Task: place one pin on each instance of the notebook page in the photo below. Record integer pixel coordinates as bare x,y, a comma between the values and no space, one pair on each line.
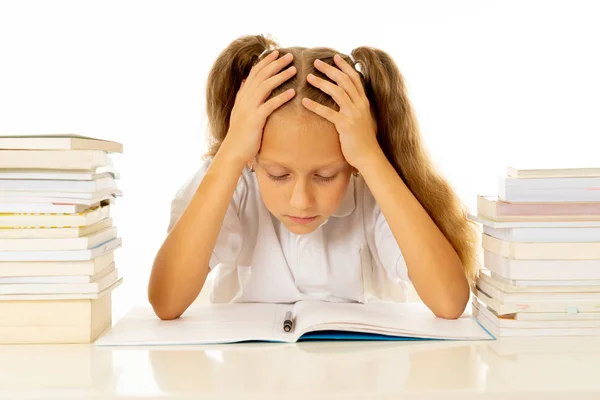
400,319
200,324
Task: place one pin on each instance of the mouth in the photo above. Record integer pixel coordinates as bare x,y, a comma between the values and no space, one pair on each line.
302,220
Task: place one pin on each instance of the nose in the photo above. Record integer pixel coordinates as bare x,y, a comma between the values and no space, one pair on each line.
302,198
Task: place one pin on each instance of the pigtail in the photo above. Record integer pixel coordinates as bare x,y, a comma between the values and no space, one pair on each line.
224,80
399,137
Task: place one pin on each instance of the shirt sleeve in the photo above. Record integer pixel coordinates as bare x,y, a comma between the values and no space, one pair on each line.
229,241
382,243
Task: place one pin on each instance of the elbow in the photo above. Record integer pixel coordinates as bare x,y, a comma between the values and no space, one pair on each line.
163,309
166,314
449,312
452,307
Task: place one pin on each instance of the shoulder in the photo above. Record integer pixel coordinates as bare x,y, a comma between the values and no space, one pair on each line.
189,187
186,191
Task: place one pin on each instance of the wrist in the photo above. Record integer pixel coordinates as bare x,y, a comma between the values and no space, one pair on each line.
231,155
371,162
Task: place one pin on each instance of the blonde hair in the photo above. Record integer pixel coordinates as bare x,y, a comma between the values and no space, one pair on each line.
398,132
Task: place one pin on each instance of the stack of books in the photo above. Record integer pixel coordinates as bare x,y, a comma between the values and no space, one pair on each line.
541,254
57,238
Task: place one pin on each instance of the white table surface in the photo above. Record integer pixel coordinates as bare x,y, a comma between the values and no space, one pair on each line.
531,368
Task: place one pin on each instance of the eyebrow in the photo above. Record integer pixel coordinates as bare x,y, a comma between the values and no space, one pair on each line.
275,163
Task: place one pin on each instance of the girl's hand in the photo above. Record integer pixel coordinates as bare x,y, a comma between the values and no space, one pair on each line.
354,122
250,112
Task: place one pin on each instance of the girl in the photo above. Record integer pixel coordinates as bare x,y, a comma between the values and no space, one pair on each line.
316,186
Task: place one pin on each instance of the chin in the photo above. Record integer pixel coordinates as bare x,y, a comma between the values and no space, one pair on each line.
302,229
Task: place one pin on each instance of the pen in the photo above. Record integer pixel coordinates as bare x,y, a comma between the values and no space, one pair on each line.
288,323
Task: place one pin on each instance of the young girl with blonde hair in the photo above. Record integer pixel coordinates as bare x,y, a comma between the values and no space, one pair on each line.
316,186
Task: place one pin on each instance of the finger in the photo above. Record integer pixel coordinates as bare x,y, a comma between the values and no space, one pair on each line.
319,109
264,62
274,67
337,93
277,102
351,72
275,81
240,89
339,77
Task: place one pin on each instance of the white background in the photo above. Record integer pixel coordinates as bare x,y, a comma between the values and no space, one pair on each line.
494,83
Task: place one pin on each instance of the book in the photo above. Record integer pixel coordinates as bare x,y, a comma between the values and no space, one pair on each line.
541,269
58,142
508,287
542,251
110,277
56,321
52,220
85,242
562,316
588,285
530,296
47,233
38,279
62,255
531,224
509,327
60,174
59,296
587,183
239,322
11,196
514,172
511,321
549,304
56,208
492,207
549,190
53,159
56,268
28,200
104,183
544,235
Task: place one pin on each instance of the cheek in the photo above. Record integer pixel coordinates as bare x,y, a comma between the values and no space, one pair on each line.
333,193
273,193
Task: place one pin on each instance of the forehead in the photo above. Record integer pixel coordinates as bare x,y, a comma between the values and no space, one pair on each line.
300,139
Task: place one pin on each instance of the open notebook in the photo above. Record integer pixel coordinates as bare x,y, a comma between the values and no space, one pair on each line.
310,320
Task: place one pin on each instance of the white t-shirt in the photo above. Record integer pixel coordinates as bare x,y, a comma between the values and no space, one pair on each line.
351,257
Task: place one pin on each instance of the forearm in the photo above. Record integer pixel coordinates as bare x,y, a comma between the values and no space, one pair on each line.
433,265
181,265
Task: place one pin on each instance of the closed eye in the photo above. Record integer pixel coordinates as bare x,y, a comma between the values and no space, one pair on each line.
277,178
326,178
319,177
